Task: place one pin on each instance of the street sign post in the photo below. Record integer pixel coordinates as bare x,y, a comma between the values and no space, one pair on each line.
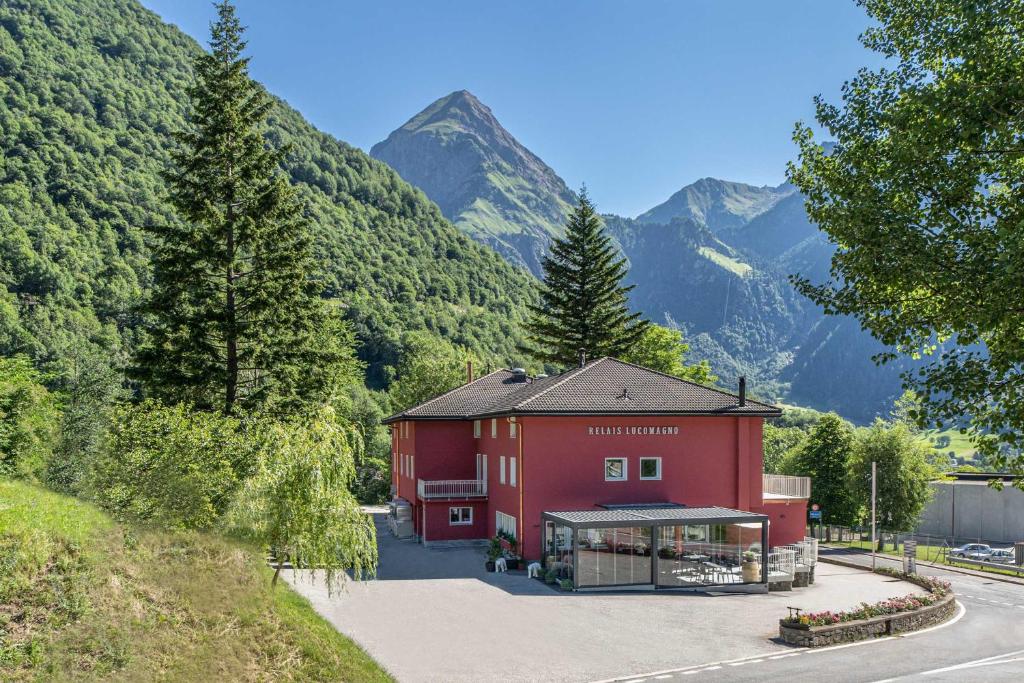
910,556
815,514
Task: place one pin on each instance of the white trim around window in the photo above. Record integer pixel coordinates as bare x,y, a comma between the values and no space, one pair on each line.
460,516
476,429
494,428
506,523
511,430
512,471
501,469
616,469
657,469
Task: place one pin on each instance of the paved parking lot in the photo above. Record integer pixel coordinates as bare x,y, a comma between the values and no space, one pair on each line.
436,615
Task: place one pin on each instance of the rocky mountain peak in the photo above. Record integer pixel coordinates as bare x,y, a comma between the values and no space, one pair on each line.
484,180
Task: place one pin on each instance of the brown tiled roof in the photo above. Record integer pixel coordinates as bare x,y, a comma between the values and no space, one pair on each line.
602,387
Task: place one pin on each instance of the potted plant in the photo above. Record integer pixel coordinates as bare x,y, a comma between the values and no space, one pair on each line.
510,545
551,576
751,567
494,551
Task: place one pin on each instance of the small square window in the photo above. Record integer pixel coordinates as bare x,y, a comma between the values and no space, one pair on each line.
459,516
650,468
615,469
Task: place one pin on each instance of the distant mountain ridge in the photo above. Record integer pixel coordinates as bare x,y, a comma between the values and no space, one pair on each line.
718,204
713,260
482,178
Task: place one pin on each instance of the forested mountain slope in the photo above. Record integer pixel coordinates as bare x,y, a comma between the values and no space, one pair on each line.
91,91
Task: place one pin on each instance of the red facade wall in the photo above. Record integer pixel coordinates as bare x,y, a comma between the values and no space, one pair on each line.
451,448
788,520
503,497
560,466
710,461
438,521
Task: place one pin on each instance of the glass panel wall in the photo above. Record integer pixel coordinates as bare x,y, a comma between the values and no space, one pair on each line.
708,555
614,556
558,550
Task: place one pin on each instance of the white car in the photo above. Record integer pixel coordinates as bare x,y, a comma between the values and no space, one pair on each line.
974,551
1002,555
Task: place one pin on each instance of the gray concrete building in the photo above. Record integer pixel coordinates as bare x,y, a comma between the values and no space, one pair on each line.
968,509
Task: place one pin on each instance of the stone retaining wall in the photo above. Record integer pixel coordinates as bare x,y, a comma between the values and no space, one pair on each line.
889,624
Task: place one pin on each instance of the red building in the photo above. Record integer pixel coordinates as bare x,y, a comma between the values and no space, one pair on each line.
508,452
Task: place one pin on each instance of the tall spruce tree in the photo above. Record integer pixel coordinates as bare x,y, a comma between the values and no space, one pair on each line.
235,320
583,305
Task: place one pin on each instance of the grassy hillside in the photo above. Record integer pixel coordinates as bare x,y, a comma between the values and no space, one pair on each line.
83,598
91,91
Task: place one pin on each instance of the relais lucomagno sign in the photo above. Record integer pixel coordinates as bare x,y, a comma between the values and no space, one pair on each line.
632,430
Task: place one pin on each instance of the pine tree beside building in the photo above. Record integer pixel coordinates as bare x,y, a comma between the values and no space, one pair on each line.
235,320
583,304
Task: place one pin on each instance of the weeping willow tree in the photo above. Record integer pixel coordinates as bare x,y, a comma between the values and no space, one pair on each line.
299,504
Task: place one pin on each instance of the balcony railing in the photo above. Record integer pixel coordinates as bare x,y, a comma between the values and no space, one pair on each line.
451,488
784,485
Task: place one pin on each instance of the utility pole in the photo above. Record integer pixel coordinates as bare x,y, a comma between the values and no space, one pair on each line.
874,490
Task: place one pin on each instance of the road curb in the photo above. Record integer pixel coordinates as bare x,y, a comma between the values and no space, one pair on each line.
947,567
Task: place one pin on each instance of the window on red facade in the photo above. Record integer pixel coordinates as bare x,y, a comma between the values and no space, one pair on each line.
460,515
615,469
650,468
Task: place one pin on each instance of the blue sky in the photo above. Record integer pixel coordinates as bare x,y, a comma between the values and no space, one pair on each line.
636,98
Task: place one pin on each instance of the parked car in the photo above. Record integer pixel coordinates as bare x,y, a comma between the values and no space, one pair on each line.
1003,555
971,550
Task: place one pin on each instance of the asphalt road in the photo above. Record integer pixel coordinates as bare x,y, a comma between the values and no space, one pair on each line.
984,642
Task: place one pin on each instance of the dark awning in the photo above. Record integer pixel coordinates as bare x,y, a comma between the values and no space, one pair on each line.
646,516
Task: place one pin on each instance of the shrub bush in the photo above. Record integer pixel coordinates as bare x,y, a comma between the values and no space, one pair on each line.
170,466
29,419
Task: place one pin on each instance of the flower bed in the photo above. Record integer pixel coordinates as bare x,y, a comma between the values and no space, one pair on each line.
895,615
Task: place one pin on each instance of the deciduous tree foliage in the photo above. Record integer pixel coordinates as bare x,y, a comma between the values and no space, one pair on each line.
778,442
583,305
903,474
824,456
171,466
298,501
923,194
429,366
29,418
664,350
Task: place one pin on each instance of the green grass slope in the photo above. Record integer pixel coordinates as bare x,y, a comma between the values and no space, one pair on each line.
84,598
90,92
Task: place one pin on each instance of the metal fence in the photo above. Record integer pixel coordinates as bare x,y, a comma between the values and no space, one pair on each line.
935,549
781,565
785,485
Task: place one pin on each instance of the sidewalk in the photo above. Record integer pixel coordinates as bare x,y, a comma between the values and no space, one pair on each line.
854,557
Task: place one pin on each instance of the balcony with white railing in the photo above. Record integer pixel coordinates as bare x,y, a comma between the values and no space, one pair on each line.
785,486
451,488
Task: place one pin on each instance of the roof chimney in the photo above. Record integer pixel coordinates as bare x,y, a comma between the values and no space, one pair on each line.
583,357
743,391
469,371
